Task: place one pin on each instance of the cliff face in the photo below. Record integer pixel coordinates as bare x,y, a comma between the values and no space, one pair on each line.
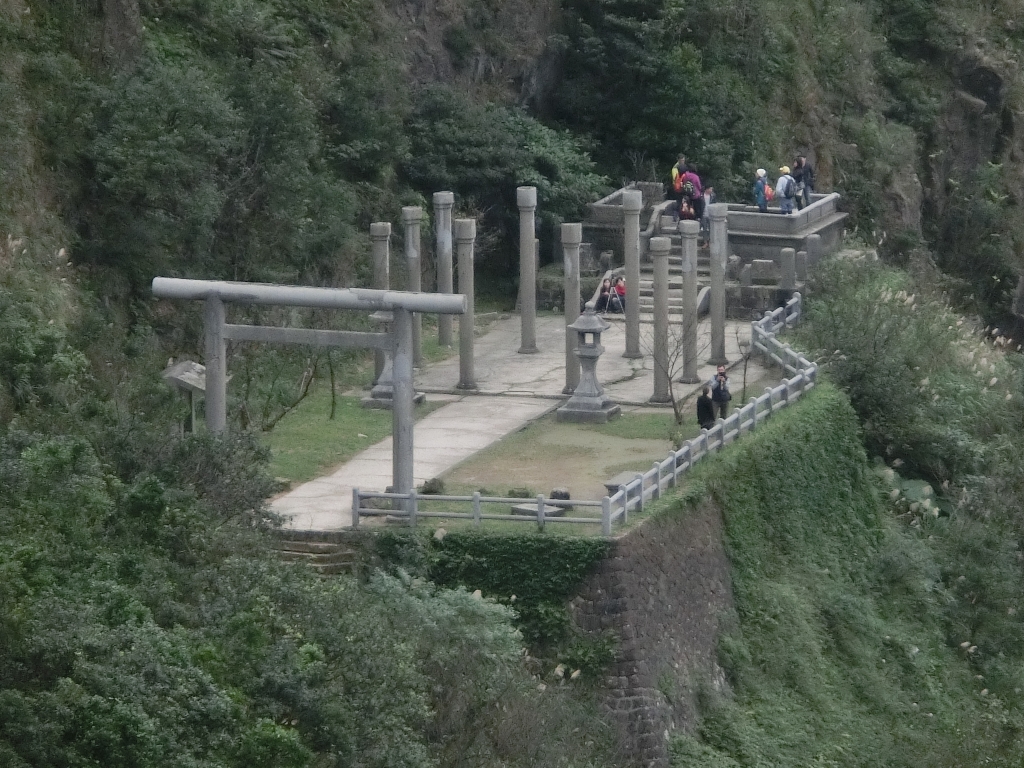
664,593
495,50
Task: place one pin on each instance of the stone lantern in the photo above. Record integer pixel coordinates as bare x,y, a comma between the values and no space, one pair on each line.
588,405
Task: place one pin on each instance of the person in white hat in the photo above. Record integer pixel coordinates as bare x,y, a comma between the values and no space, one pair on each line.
785,190
762,190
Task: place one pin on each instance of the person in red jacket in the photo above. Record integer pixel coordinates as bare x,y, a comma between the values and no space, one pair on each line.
618,303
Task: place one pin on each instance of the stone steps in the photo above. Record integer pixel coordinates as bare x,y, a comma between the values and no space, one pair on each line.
325,557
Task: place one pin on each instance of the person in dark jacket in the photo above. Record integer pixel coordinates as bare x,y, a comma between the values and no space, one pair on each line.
720,395
803,174
705,410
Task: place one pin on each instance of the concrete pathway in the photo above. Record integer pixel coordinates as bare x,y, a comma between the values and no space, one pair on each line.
513,390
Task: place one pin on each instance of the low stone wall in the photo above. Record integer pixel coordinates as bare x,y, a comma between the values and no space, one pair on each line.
756,235
664,593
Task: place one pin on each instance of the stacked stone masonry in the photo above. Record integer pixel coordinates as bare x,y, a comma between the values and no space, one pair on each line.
664,594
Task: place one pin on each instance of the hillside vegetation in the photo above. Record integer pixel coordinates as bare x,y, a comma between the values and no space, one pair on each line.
144,619
878,599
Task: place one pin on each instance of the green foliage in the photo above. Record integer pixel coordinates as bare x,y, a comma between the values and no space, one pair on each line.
913,372
848,646
979,236
534,574
484,152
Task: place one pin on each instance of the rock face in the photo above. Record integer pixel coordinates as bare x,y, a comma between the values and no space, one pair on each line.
664,592
976,127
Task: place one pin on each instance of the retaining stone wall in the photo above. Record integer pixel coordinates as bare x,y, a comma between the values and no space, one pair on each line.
665,593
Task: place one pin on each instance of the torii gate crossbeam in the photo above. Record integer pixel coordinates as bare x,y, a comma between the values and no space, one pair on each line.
401,303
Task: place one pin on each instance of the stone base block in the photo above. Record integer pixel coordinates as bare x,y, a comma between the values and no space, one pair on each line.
386,404
578,416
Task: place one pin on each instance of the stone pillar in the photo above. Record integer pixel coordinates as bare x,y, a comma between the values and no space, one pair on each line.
719,255
380,237
443,204
572,236
801,265
412,215
402,402
814,250
216,366
787,261
660,247
689,231
526,197
632,203
465,237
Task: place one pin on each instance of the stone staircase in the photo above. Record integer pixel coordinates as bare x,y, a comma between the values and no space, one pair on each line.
325,557
675,279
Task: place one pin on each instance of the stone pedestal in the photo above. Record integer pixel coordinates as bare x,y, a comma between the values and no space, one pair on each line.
787,280
411,217
632,204
465,239
526,197
588,404
660,247
689,232
572,235
216,366
443,204
718,214
380,251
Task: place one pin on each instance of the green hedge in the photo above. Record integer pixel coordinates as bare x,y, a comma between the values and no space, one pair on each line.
533,573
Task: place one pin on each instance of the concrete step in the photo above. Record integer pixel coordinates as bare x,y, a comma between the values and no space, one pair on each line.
326,558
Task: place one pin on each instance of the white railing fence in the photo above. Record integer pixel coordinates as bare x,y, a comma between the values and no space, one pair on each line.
631,497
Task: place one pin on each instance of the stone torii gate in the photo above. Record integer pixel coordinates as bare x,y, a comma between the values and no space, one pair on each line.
399,340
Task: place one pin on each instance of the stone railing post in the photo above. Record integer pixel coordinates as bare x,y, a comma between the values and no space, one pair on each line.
689,232
526,197
787,261
660,247
814,250
465,237
719,255
443,204
216,366
380,241
411,217
572,236
632,204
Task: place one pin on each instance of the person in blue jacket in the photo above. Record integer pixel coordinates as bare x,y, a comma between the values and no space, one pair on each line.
761,190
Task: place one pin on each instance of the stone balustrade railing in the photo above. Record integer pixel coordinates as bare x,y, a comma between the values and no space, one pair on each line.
632,496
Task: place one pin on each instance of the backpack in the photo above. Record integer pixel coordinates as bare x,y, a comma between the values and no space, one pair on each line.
790,192
677,183
687,189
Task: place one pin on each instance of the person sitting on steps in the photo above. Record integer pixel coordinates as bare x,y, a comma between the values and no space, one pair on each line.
602,298
617,296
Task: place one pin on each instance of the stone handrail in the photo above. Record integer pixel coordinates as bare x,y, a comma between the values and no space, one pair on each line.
646,486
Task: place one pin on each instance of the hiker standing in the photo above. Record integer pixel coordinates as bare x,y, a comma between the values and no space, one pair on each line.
785,190
798,180
705,409
693,188
676,192
761,190
805,182
720,395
